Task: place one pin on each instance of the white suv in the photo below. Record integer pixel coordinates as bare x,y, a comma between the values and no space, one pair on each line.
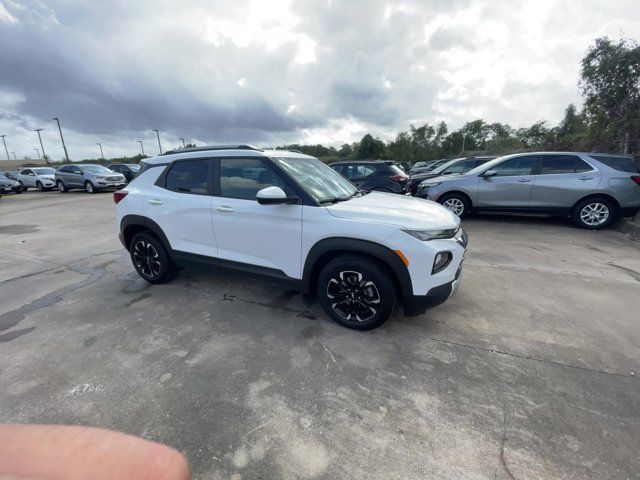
289,216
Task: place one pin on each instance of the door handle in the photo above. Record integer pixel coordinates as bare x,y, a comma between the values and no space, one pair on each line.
225,209
586,177
524,180
155,202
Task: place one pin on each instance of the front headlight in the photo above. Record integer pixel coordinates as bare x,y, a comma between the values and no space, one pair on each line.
430,184
432,234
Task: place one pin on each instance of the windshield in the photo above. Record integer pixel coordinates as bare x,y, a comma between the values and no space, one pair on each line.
444,166
96,169
133,166
318,180
44,171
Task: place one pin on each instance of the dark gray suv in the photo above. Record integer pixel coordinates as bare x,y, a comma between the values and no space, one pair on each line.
594,189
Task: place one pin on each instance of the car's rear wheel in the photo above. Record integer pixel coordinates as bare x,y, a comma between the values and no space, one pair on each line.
61,186
594,213
356,292
88,186
40,186
457,203
150,259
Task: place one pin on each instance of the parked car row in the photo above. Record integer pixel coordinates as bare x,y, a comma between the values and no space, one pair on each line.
89,177
593,189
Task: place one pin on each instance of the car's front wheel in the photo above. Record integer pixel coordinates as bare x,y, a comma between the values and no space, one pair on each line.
88,186
594,213
61,186
457,203
40,186
356,292
150,259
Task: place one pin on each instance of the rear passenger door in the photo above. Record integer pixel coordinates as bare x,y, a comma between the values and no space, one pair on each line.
266,236
27,177
180,203
562,180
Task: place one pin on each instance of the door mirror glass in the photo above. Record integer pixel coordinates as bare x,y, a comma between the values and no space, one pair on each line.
490,173
273,196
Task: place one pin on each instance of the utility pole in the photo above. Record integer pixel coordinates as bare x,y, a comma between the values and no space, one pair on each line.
464,137
64,147
14,155
5,146
44,155
183,144
141,147
38,152
159,146
101,154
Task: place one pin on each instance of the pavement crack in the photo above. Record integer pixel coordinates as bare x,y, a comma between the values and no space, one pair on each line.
501,460
333,358
523,357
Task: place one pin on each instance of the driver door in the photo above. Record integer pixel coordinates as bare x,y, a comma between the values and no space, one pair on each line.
511,186
266,236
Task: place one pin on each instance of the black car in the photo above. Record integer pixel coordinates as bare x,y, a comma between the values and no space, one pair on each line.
8,185
129,170
379,175
458,166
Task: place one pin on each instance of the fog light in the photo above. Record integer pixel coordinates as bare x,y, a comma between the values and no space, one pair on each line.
442,261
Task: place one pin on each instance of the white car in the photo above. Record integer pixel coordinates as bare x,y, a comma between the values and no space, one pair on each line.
289,216
41,178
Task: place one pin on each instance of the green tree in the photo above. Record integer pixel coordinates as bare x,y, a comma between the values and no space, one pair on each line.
610,83
370,148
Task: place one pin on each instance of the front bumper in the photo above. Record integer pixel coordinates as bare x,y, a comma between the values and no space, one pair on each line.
104,185
415,305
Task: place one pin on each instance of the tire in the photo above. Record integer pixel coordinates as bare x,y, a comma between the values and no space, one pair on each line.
88,186
40,186
594,213
150,259
456,203
365,287
61,186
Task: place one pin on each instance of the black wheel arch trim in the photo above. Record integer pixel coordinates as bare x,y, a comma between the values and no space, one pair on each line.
138,220
347,245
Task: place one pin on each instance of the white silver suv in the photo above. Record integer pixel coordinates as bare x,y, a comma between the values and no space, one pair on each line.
289,216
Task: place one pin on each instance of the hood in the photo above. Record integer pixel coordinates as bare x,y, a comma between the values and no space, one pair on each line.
50,177
393,209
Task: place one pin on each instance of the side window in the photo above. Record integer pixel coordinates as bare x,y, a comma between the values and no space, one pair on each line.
76,170
555,164
515,166
364,170
63,169
243,177
189,176
26,171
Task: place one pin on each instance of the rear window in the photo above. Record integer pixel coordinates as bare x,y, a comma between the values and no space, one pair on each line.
623,164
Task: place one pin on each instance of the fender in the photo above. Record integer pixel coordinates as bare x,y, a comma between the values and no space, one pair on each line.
135,220
352,245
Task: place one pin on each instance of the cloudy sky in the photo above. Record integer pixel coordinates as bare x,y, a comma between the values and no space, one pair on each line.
270,72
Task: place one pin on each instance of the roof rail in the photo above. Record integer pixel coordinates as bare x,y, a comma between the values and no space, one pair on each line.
214,147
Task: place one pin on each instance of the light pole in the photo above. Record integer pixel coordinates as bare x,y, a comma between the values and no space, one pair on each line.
101,154
38,152
183,144
64,147
14,155
5,146
141,147
44,155
159,146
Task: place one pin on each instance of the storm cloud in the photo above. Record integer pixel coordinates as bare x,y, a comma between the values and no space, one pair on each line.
270,72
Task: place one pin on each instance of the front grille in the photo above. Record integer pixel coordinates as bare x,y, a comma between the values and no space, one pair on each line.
112,179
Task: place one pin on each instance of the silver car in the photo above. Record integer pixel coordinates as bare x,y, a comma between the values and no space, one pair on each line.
594,189
91,178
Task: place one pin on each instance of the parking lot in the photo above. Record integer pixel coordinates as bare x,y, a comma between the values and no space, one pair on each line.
531,371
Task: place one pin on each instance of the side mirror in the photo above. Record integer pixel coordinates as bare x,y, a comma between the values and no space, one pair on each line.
490,173
274,196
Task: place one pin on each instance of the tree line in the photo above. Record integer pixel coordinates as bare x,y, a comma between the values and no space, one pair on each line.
608,121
